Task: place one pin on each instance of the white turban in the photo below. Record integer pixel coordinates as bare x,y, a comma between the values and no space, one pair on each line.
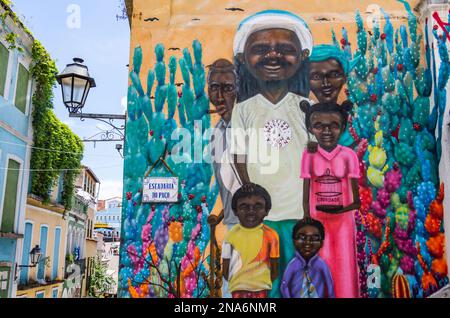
272,19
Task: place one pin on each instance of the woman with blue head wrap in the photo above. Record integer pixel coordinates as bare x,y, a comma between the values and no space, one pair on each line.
327,75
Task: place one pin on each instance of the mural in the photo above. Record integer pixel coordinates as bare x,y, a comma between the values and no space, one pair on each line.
352,206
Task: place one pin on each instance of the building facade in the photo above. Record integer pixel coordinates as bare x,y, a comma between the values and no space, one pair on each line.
82,246
108,219
16,88
45,226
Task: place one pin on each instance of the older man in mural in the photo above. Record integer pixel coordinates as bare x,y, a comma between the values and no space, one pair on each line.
271,51
222,94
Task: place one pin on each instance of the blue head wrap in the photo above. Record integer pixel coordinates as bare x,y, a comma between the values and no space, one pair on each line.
323,52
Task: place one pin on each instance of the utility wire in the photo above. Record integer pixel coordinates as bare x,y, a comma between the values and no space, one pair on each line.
98,168
51,150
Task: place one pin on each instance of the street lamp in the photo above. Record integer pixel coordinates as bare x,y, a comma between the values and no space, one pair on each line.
35,257
75,86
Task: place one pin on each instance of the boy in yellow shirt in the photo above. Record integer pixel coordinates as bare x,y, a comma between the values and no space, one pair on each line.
251,249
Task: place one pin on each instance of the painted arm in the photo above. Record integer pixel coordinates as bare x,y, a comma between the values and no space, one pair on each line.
226,267
284,288
240,162
306,192
273,268
356,201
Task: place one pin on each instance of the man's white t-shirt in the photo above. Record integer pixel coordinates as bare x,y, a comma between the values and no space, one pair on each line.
273,137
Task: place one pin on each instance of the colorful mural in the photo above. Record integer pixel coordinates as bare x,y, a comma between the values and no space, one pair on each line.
382,208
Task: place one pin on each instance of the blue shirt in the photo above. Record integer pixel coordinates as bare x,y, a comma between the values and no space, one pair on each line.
318,270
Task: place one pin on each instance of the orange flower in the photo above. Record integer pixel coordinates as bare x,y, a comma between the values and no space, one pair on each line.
435,245
439,266
432,225
428,282
152,251
176,231
436,207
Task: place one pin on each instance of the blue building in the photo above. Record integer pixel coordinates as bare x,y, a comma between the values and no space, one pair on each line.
108,219
16,87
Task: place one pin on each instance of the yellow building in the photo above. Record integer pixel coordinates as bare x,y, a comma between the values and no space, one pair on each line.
60,234
44,226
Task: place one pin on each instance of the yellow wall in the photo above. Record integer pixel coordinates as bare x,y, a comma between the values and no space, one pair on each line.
47,289
40,216
217,27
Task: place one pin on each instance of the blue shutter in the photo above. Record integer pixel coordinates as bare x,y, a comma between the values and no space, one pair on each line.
56,253
43,246
26,253
40,294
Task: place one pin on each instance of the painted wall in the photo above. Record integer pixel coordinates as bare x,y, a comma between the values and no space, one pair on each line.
176,24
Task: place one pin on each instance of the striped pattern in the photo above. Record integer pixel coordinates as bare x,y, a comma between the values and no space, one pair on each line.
400,287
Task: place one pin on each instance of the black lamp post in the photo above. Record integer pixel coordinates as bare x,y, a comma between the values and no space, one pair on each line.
35,257
75,86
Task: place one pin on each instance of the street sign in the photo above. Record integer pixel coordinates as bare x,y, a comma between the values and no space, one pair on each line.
160,190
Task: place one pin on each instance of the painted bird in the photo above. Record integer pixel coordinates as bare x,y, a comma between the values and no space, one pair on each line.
234,9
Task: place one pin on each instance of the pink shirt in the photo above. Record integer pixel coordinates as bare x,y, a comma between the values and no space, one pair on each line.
330,174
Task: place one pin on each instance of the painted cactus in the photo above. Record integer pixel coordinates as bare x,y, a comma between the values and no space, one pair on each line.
163,244
392,95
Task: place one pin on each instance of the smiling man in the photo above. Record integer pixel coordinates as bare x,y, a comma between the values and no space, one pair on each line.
271,51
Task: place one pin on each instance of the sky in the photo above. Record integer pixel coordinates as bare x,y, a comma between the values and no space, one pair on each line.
88,29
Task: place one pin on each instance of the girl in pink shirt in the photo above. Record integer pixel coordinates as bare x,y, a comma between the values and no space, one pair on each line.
330,193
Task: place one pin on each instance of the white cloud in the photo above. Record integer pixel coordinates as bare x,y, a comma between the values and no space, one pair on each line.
110,189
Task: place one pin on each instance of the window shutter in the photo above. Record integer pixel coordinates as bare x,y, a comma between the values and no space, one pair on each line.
4,59
10,198
22,88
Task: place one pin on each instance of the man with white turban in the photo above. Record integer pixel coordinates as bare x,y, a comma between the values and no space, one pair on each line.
272,51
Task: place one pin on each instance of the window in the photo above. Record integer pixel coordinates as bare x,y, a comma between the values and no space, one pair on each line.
4,59
57,240
43,246
26,252
10,197
40,294
22,88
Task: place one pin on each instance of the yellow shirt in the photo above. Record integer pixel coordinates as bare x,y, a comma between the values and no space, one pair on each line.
249,251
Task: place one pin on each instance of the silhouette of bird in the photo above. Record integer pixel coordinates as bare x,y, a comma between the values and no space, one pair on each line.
174,48
234,9
151,19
